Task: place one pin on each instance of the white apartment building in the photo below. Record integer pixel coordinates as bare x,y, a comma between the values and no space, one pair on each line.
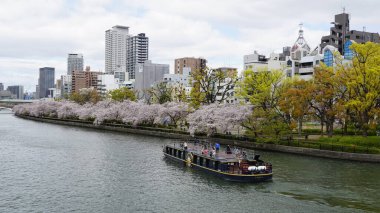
303,60
66,85
116,49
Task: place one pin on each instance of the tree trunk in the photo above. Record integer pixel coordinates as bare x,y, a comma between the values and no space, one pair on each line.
330,128
364,126
299,126
321,127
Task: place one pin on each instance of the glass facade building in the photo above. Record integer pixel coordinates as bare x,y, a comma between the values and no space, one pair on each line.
328,58
348,53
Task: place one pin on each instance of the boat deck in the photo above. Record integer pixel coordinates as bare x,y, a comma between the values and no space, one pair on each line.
204,150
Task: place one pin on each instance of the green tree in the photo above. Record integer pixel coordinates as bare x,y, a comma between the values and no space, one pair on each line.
85,95
208,84
122,94
362,80
325,96
263,89
161,93
294,101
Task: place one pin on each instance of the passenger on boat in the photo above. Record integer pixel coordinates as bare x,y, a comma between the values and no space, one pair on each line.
212,152
217,147
205,152
185,146
228,149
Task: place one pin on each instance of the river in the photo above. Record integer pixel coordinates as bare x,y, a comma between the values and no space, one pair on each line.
52,168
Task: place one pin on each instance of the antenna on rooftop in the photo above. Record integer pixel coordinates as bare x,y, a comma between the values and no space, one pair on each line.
344,9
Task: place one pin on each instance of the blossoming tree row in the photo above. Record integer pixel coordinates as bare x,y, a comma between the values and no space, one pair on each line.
207,119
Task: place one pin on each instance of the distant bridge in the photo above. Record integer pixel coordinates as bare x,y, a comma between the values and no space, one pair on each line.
10,103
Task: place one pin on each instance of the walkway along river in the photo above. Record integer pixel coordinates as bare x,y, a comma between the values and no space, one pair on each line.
52,168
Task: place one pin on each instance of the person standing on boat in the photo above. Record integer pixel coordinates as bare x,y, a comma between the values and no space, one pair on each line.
228,149
185,146
217,147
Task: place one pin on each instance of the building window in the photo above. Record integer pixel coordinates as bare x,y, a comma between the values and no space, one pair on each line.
348,53
328,58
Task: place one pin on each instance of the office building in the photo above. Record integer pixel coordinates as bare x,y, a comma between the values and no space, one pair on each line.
74,63
46,81
84,79
17,91
148,73
341,32
1,86
193,63
137,53
116,49
5,94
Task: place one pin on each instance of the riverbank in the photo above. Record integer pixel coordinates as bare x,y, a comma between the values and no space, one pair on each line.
182,136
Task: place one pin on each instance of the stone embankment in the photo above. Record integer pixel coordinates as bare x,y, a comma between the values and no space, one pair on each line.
245,144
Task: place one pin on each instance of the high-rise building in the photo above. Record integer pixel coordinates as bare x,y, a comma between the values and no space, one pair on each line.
193,63
1,86
137,53
341,32
148,73
74,63
17,91
116,49
124,52
46,81
84,79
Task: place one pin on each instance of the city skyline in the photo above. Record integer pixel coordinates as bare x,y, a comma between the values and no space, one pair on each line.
175,28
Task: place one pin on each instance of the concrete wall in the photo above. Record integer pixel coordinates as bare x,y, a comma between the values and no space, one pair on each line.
249,145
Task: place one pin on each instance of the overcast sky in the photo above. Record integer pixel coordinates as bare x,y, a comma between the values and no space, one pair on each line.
41,33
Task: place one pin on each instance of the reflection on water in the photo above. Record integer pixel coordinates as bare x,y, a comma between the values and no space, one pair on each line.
52,168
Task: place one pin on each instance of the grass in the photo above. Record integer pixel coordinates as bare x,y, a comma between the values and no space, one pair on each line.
370,141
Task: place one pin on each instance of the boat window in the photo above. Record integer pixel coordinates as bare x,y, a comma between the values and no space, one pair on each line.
208,163
175,153
216,165
195,158
200,161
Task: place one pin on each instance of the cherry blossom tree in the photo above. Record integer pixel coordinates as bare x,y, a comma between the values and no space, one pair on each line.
210,118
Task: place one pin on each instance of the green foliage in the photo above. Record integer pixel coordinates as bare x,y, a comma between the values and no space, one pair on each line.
161,93
362,80
370,141
207,84
85,95
122,94
263,89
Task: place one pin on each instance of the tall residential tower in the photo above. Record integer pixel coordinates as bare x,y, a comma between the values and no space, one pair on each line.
116,49
137,53
124,52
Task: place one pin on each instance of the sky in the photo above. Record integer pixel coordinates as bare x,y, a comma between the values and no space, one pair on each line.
40,33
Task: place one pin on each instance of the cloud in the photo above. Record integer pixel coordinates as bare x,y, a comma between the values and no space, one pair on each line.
41,33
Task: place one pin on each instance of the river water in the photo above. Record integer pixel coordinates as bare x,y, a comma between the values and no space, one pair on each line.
53,168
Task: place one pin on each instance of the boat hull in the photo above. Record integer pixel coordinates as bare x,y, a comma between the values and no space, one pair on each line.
254,178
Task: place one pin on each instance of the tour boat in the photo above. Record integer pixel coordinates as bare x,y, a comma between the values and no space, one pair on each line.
232,165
